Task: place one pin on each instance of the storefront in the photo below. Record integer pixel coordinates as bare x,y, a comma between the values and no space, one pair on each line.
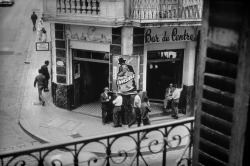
171,53
96,57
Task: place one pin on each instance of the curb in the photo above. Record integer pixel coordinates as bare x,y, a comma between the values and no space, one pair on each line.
27,129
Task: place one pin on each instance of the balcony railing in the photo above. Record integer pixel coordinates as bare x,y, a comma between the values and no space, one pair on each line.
166,143
78,6
166,9
90,12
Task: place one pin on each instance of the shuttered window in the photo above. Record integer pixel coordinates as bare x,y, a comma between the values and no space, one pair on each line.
223,81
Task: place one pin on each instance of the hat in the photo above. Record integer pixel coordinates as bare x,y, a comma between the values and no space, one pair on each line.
121,60
106,88
46,62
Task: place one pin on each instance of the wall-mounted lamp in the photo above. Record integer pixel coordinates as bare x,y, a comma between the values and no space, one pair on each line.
167,54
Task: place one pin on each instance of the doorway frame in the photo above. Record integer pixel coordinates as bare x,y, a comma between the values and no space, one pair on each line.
75,60
181,58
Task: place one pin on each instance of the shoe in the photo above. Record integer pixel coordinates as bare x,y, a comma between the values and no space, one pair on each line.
43,103
115,126
127,127
119,125
46,90
176,117
168,110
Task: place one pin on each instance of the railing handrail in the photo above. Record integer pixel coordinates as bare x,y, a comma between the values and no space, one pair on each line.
98,137
142,10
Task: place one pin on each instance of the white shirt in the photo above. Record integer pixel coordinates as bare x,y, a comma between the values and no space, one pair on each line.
118,101
137,101
177,93
106,94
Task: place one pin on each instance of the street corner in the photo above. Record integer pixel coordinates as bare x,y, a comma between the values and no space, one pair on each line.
37,103
25,126
63,125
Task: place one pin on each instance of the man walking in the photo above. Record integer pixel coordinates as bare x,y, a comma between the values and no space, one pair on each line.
34,18
117,119
137,111
45,72
104,98
40,81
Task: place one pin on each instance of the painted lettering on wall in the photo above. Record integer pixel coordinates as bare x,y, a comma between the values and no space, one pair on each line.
88,33
158,35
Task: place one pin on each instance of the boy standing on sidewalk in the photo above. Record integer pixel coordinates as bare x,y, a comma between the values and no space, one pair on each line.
145,109
117,119
40,81
105,98
175,102
136,111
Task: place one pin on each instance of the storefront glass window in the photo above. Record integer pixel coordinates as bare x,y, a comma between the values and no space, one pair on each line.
61,53
91,55
60,44
59,34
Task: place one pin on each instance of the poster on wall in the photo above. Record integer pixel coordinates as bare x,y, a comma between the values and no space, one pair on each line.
125,73
77,71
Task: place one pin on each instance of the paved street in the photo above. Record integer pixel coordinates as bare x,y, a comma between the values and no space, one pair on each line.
15,36
19,100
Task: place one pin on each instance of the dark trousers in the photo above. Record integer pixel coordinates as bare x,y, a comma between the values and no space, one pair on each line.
46,84
146,121
105,111
34,25
117,118
175,103
136,117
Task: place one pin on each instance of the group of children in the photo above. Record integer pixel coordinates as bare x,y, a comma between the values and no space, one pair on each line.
41,32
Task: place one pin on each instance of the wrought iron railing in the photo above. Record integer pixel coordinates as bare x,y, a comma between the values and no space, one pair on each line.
78,6
166,9
167,142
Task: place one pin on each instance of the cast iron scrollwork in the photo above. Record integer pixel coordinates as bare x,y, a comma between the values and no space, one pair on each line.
109,149
14,160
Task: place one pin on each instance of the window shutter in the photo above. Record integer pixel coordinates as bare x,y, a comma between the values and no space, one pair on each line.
223,84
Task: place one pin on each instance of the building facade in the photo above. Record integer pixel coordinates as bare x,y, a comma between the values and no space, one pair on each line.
124,45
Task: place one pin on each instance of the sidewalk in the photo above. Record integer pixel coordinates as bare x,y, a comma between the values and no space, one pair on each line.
50,124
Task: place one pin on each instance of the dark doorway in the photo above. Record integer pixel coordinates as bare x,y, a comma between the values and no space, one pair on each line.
91,75
94,78
247,138
163,69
